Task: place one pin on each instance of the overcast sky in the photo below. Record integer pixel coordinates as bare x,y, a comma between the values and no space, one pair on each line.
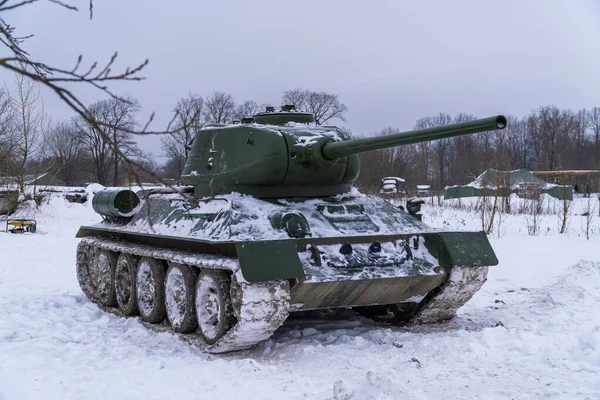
390,61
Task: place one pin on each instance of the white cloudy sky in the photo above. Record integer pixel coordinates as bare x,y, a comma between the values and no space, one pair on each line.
390,61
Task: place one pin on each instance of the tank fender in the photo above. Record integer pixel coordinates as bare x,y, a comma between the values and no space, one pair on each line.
467,249
262,261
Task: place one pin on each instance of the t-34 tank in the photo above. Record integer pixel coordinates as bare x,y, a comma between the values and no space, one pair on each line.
269,224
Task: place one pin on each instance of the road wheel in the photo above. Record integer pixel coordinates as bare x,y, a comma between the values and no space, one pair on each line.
213,304
179,297
87,273
106,262
150,290
125,283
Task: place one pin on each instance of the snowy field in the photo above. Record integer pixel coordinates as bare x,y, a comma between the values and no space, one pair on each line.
532,332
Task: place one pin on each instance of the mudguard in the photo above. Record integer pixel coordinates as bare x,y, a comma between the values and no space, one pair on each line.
467,249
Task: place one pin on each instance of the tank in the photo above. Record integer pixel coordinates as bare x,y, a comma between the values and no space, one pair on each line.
268,224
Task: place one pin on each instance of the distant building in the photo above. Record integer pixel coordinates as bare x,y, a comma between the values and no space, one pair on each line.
584,182
521,182
423,190
393,186
45,179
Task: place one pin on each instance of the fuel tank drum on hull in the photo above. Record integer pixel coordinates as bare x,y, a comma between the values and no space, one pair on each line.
116,203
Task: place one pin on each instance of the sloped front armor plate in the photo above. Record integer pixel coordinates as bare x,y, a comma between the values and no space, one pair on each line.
315,295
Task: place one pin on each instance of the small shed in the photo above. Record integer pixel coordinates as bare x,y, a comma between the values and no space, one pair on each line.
583,181
424,190
393,186
44,179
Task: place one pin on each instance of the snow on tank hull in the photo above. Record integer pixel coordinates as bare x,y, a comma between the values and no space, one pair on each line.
269,258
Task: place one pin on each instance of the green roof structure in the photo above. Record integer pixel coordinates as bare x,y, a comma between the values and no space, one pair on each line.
44,179
503,183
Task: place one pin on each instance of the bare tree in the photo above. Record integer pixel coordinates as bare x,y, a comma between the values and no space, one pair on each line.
109,141
550,129
119,120
296,97
377,164
324,106
97,145
463,167
6,143
145,169
588,215
42,163
67,150
440,148
533,217
220,107
189,120
565,213
517,142
593,119
27,124
5,113
246,109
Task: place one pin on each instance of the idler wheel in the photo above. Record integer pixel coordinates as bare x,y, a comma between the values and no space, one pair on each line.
106,262
125,283
150,290
213,304
179,297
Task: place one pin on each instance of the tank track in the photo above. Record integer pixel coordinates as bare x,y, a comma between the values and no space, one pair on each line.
259,308
461,285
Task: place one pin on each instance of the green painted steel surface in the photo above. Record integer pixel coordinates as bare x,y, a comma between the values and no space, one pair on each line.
115,203
466,249
266,161
269,260
282,118
341,149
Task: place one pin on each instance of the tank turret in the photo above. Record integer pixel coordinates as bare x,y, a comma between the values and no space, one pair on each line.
279,154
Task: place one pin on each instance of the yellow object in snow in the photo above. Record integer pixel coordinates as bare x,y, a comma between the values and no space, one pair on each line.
21,225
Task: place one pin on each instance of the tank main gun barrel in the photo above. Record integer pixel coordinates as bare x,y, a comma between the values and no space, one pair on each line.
334,150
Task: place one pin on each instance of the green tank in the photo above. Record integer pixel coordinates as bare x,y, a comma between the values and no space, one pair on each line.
269,224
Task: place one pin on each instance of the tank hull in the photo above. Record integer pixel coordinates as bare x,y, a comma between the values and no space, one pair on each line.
374,257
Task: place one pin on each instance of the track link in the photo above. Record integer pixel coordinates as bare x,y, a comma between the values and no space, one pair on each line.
461,285
259,308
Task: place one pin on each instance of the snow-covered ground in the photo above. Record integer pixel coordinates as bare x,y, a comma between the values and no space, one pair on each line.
533,331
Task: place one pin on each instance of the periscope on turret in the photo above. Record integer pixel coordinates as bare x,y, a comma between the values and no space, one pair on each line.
268,224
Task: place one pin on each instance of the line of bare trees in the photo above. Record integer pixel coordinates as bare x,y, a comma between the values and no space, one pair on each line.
549,138
23,124
75,151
